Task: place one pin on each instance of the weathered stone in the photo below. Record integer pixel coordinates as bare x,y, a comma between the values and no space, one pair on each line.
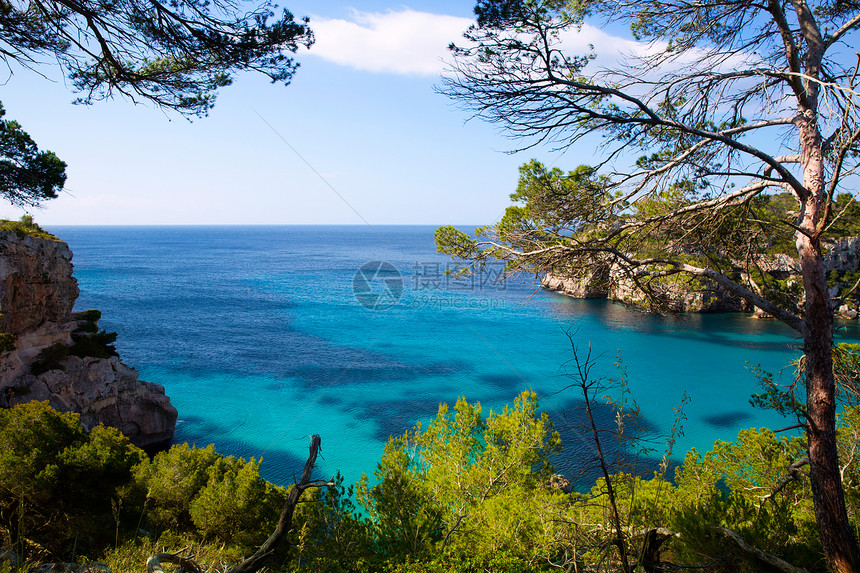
38,293
701,295
36,282
9,556
613,283
558,482
843,255
592,286
847,312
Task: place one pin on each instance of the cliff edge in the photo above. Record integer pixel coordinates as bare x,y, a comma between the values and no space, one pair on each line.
47,352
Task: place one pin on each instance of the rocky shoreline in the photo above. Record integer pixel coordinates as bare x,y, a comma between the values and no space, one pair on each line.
607,281
48,353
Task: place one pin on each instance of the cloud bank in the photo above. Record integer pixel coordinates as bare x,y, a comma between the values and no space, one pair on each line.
409,42
404,42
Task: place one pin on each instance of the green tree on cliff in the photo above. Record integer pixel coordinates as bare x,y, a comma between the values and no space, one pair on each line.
730,102
175,54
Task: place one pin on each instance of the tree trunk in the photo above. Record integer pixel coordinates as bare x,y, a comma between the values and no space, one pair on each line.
837,538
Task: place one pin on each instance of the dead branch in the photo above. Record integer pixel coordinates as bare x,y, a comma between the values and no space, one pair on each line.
153,564
771,560
794,475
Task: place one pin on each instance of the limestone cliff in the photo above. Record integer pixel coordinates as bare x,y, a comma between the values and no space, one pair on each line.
36,282
53,354
676,296
701,295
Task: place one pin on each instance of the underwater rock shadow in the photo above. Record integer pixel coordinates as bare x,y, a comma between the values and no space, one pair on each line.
510,384
579,461
727,420
278,466
394,417
369,369
617,317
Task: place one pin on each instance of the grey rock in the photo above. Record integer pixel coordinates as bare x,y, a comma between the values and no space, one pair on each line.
702,296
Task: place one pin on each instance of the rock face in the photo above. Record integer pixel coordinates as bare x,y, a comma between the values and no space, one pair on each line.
595,283
703,296
681,296
36,283
49,360
844,255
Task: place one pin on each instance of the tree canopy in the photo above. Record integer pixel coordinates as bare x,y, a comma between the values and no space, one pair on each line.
28,176
727,134
175,55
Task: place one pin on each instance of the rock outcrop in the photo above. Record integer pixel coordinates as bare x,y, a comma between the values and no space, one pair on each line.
677,296
36,282
52,354
701,295
595,283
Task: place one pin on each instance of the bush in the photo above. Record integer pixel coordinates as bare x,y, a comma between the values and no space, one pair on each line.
236,505
26,226
7,342
50,358
58,482
171,480
97,345
223,499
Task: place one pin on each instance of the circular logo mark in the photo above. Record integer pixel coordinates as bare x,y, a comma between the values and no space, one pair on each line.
377,285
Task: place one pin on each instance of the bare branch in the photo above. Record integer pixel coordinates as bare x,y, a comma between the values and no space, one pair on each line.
771,560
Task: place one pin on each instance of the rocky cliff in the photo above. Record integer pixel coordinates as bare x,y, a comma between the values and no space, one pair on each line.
49,353
684,294
679,295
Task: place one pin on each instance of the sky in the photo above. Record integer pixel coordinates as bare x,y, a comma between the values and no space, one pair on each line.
360,136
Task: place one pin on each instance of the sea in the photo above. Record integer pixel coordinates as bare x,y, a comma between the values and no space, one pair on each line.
265,335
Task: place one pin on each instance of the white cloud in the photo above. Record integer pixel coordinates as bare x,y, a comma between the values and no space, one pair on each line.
409,42
400,42
615,53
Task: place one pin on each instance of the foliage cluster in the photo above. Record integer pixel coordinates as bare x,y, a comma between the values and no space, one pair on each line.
87,340
556,211
7,342
465,493
67,493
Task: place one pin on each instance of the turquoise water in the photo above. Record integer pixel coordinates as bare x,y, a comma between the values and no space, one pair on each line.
260,339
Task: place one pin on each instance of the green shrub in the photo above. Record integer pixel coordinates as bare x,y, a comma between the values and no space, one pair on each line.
26,226
50,358
98,345
331,534
7,342
171,480
224,499
236,505
58,481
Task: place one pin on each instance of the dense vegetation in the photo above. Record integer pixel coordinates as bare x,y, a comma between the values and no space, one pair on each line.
468,492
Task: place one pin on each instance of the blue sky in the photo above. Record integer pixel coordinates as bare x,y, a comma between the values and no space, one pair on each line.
359,136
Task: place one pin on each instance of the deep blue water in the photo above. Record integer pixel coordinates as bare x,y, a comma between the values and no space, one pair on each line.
260,339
